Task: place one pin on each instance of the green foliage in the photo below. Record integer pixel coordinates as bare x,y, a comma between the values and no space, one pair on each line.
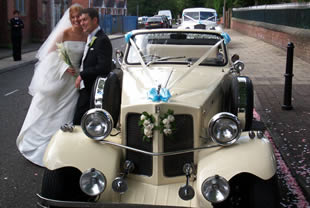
151,7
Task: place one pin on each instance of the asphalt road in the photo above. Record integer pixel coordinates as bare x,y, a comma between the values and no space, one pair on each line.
20,180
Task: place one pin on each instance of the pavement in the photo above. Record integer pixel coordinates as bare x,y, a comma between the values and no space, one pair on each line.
265,64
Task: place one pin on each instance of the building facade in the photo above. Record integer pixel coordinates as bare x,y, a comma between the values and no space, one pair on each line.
106,7
39,17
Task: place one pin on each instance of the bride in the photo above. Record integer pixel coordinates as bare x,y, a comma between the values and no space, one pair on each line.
52,86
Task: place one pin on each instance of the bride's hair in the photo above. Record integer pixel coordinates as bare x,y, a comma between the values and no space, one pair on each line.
75,8
63,24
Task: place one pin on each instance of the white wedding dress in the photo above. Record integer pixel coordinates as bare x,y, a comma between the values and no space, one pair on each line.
53,103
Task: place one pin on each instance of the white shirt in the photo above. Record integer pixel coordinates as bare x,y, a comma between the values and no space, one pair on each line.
89,38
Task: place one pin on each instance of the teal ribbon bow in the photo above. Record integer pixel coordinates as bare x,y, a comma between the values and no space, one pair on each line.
157,95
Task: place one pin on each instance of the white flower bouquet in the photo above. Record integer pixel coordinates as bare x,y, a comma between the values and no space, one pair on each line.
147,124
167,125
63,53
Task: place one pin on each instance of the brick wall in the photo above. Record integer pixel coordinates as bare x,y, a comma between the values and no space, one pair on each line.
277,35
84,3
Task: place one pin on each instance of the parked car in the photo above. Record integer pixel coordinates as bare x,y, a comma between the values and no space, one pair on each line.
168,14
199,18
142,20
182,133
156,22
165,19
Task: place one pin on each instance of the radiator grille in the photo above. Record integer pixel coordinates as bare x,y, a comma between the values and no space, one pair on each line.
143,163
183,139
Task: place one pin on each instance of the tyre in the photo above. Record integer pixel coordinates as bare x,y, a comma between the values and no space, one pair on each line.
111,99
240,99
249,191
112,96
63,184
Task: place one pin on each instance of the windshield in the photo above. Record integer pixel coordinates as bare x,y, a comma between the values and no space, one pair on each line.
192,16
177,47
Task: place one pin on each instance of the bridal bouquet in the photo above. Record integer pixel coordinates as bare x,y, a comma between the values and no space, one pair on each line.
63,53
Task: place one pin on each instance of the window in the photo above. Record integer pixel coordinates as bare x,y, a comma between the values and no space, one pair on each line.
20,6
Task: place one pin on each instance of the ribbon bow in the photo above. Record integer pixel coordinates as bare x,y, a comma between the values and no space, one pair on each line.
160,94
226,37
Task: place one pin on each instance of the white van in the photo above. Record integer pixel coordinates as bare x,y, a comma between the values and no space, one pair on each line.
168,14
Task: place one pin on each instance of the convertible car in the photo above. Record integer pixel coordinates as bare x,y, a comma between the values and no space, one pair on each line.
171,127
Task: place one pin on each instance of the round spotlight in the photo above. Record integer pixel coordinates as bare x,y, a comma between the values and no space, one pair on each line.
215,189
92,182
224,128
119,185
97,123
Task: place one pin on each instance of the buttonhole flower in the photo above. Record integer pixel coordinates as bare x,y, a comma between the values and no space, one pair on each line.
92,41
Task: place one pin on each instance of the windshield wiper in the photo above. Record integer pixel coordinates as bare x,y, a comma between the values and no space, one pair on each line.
164,59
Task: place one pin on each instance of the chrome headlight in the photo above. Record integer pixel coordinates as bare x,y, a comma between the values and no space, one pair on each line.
215,189
238,66
92,182
224,128
97,123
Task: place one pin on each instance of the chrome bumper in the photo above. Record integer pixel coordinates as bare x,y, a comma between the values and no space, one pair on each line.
46,203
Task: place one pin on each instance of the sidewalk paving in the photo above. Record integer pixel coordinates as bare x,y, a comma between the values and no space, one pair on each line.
265,64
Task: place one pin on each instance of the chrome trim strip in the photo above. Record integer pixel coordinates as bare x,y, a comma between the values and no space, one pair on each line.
45,203
156,154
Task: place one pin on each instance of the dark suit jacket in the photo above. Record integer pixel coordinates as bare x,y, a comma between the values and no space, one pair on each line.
98,60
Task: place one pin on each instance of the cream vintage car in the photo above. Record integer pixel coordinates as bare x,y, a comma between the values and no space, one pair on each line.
174,129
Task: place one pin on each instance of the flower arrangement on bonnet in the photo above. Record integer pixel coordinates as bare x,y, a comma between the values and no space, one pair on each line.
147,124
167,125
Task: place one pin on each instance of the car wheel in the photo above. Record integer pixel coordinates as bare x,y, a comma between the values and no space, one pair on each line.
241,96
112,96
111,99
250,191
63,184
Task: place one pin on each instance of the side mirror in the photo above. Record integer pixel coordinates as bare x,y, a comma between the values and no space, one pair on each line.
235,58
119,56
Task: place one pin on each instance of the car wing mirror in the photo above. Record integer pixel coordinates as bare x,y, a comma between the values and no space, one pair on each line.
119,56
235,58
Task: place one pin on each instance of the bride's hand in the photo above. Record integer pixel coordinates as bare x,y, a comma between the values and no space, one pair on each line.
78,81
71,71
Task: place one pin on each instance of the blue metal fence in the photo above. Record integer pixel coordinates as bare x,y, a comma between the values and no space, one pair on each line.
293,14
112,24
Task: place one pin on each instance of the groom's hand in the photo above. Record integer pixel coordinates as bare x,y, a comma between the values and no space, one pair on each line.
78,81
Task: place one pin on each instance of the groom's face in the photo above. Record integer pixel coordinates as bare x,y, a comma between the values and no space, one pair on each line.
88,24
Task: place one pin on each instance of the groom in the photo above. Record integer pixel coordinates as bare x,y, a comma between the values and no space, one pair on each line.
97,60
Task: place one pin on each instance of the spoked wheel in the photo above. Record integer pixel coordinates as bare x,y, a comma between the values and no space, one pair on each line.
63,184
251,192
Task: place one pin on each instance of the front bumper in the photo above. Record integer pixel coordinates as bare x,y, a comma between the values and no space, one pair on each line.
45,203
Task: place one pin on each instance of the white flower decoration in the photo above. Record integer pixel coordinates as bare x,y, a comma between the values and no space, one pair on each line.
142,117
170,118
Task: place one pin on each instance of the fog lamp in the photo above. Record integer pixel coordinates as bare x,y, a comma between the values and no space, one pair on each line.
224,128
97,123
92,182
215,189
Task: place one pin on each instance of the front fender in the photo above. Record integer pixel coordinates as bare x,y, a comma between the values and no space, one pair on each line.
253,156
75,149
